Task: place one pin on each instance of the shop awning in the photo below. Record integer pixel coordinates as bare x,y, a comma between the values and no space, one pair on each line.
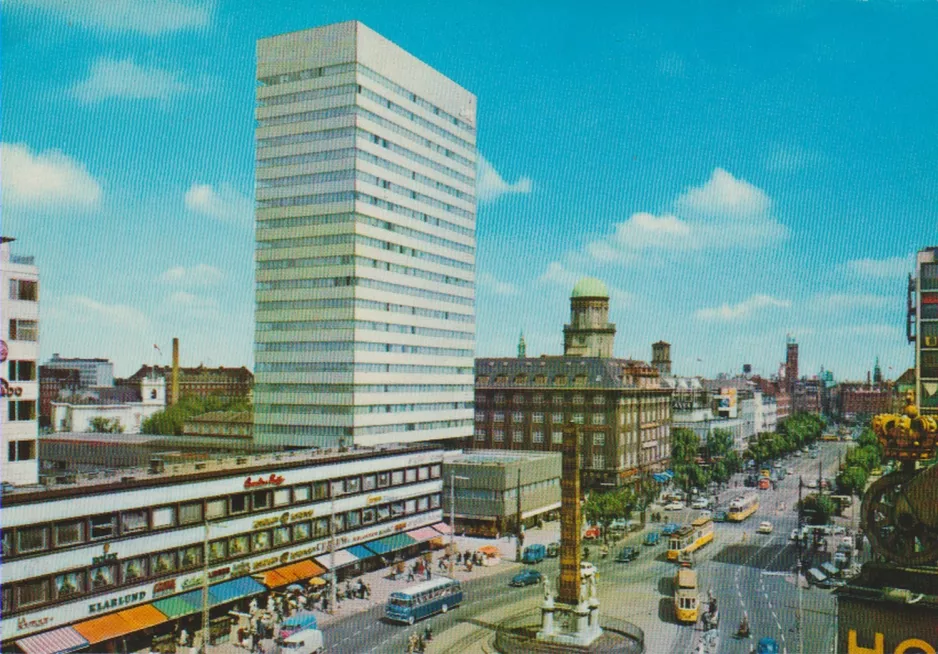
342,558
180,605
422,534
229,591
104,628
443,528
361,551
288,574
390,543
58,641
143,617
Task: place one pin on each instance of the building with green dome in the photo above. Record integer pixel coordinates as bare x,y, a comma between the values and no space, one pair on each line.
589,334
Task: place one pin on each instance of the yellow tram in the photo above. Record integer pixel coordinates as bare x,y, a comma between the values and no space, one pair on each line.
686,600
690,538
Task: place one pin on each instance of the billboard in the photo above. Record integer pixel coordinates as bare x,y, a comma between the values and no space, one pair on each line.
727,403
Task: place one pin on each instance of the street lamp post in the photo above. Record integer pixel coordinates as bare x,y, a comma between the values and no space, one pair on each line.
452,521
206,635
334,580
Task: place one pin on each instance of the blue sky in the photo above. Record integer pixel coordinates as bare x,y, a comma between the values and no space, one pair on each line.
733,171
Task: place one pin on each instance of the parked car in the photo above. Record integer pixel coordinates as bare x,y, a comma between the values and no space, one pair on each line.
534,554
626,554
527,577
553,549
767,646
700,503
619,524
765,528
308,641
592,533
720,516
670,528
299,621
673,506
651,538
587,569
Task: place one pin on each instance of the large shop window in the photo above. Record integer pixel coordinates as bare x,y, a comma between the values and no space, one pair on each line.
384,512
338,488
103,576
397,509
69,533
133,521
352,519
384,479
321,527
262,499
368,516
190,513
238,545
215,509
163,562
33,592
339,522
281,497
300,494
164,516
281,535
353,485
68,584
397,477
301,531
32,539
260,541
321,490
190,557
239,503
217,551
368,482
134,569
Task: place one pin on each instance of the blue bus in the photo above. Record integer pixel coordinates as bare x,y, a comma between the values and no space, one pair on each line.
417,602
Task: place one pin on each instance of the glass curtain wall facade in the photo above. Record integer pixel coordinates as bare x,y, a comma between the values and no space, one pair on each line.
365,168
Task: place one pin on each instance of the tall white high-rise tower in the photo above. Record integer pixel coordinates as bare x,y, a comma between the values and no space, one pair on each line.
366,213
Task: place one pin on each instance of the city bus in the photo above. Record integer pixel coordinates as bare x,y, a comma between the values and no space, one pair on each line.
690,538
424,599
742,507
686,601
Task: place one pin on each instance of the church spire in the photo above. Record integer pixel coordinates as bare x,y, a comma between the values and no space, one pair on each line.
522,347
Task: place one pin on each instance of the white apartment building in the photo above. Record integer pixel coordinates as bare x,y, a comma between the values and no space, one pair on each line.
19,353
366,213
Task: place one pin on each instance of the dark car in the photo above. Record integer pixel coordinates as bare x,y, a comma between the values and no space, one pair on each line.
651,538
553,550
670,528
526,578
720,516
626,554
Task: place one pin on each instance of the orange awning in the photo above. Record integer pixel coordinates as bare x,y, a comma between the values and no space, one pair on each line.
104,628
489,550
292,573
143,617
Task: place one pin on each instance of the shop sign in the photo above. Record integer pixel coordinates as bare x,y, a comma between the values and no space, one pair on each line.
161,588
108,555
307,551
263,563
400,526
374,499
220,572
9,391
300,515
273,480
907,646
191,582
240,569
25,623
266,522
114,602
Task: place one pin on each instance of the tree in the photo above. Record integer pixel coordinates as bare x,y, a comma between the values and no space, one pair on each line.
102,425
719,443
818,509
172,419
602,508
684,445
852,481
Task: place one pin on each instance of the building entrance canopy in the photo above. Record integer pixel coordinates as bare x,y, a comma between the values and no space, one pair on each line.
59,641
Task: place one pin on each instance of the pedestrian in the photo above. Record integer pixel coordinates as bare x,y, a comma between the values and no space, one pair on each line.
410,574
428,573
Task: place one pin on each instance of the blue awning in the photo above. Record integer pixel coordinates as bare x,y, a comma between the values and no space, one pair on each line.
390,543
360,551
661,478
229,591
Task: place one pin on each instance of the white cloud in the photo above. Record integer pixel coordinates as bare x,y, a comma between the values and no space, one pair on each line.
846,302
113,78
490,185
741,311
559,275
498,287
223,203
725,212
881,268
85,309
149,17
199,275
48,179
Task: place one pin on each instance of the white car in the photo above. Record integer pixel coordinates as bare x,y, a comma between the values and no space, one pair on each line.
587,569
765,528
673,506
795,535
839,530
811,483
700,503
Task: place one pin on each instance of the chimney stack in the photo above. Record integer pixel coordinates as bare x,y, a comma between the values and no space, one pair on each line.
174,392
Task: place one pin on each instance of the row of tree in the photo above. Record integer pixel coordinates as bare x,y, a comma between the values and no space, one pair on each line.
794,433
858,463
170,420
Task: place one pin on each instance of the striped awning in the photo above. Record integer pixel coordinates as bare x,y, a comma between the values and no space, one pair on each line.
104,628
390,543
443,528
361,551
422,534
57,641
234,589
288,574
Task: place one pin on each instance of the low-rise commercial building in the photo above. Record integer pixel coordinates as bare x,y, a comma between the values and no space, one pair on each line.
486,486
79,413
116,563
221,424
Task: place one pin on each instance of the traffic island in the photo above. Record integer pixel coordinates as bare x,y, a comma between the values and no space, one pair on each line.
519,635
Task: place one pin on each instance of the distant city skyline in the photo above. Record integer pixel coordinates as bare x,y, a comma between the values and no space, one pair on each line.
733,177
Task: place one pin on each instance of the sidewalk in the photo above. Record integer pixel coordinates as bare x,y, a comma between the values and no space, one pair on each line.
382,585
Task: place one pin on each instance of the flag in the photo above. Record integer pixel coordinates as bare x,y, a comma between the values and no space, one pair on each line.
701,360
157,347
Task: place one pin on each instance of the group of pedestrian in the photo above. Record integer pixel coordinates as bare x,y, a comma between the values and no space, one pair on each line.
417,643
419,569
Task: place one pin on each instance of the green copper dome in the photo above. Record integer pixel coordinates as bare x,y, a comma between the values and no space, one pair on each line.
590,287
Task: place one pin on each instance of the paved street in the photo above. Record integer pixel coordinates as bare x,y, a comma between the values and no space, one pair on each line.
748,573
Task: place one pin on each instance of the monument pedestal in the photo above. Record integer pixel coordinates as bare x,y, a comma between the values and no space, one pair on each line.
575,625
